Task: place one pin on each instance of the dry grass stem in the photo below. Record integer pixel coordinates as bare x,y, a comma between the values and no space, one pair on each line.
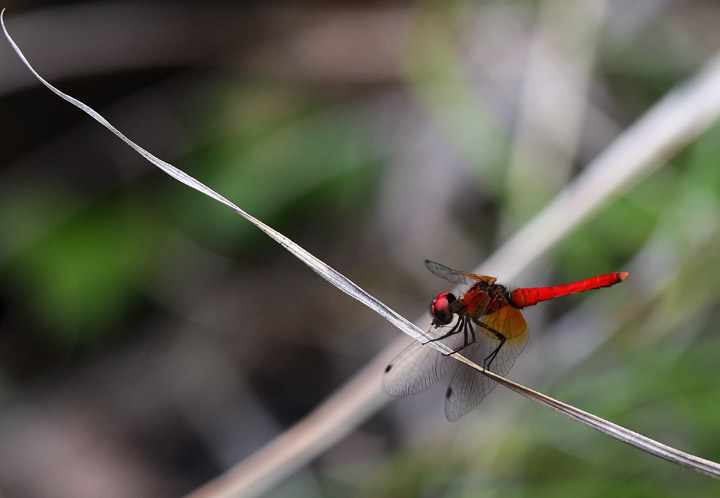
674,121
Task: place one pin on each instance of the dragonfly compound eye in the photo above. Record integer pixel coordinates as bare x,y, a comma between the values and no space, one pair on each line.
441,308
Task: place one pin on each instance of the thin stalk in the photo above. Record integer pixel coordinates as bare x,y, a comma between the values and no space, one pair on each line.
691,110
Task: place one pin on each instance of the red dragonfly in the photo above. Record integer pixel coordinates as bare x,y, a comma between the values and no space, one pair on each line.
489,330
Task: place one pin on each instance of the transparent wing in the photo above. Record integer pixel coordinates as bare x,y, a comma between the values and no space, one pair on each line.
468,387
415,369
454,276
418,366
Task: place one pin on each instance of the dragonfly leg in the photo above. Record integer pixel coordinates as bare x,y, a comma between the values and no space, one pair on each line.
468,335
500,337
491,357
468,338
453,331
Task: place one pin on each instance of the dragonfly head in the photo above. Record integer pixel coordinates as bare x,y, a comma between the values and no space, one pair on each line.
441,308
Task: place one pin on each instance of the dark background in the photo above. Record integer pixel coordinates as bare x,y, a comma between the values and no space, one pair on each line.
150,338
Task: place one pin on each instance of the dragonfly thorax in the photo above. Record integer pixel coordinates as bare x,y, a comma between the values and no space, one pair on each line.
442,309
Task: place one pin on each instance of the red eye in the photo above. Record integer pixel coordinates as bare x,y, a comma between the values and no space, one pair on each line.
440,303
440,308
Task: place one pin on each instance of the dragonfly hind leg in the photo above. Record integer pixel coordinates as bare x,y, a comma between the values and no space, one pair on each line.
500,337
491,357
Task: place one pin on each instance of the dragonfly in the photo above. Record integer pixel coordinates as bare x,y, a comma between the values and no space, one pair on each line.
485,324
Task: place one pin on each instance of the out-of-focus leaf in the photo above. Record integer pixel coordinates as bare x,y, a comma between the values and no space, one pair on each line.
311,159
81,278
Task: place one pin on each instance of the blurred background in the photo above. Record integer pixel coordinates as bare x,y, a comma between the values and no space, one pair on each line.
150,338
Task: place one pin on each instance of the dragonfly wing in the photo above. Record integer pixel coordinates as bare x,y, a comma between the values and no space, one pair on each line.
419,366
468,387
415,369
454,276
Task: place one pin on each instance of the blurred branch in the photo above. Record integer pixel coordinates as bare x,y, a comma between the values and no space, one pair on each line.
300,41
553,102
672,123
679,117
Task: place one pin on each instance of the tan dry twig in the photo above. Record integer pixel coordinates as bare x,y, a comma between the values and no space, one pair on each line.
681,116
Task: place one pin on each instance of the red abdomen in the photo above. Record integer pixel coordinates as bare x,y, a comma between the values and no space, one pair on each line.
527,297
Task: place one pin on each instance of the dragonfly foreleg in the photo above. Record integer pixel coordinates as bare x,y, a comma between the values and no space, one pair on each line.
453,331
469,338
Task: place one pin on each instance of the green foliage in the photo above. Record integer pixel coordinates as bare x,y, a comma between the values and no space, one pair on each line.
79,279
306,161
